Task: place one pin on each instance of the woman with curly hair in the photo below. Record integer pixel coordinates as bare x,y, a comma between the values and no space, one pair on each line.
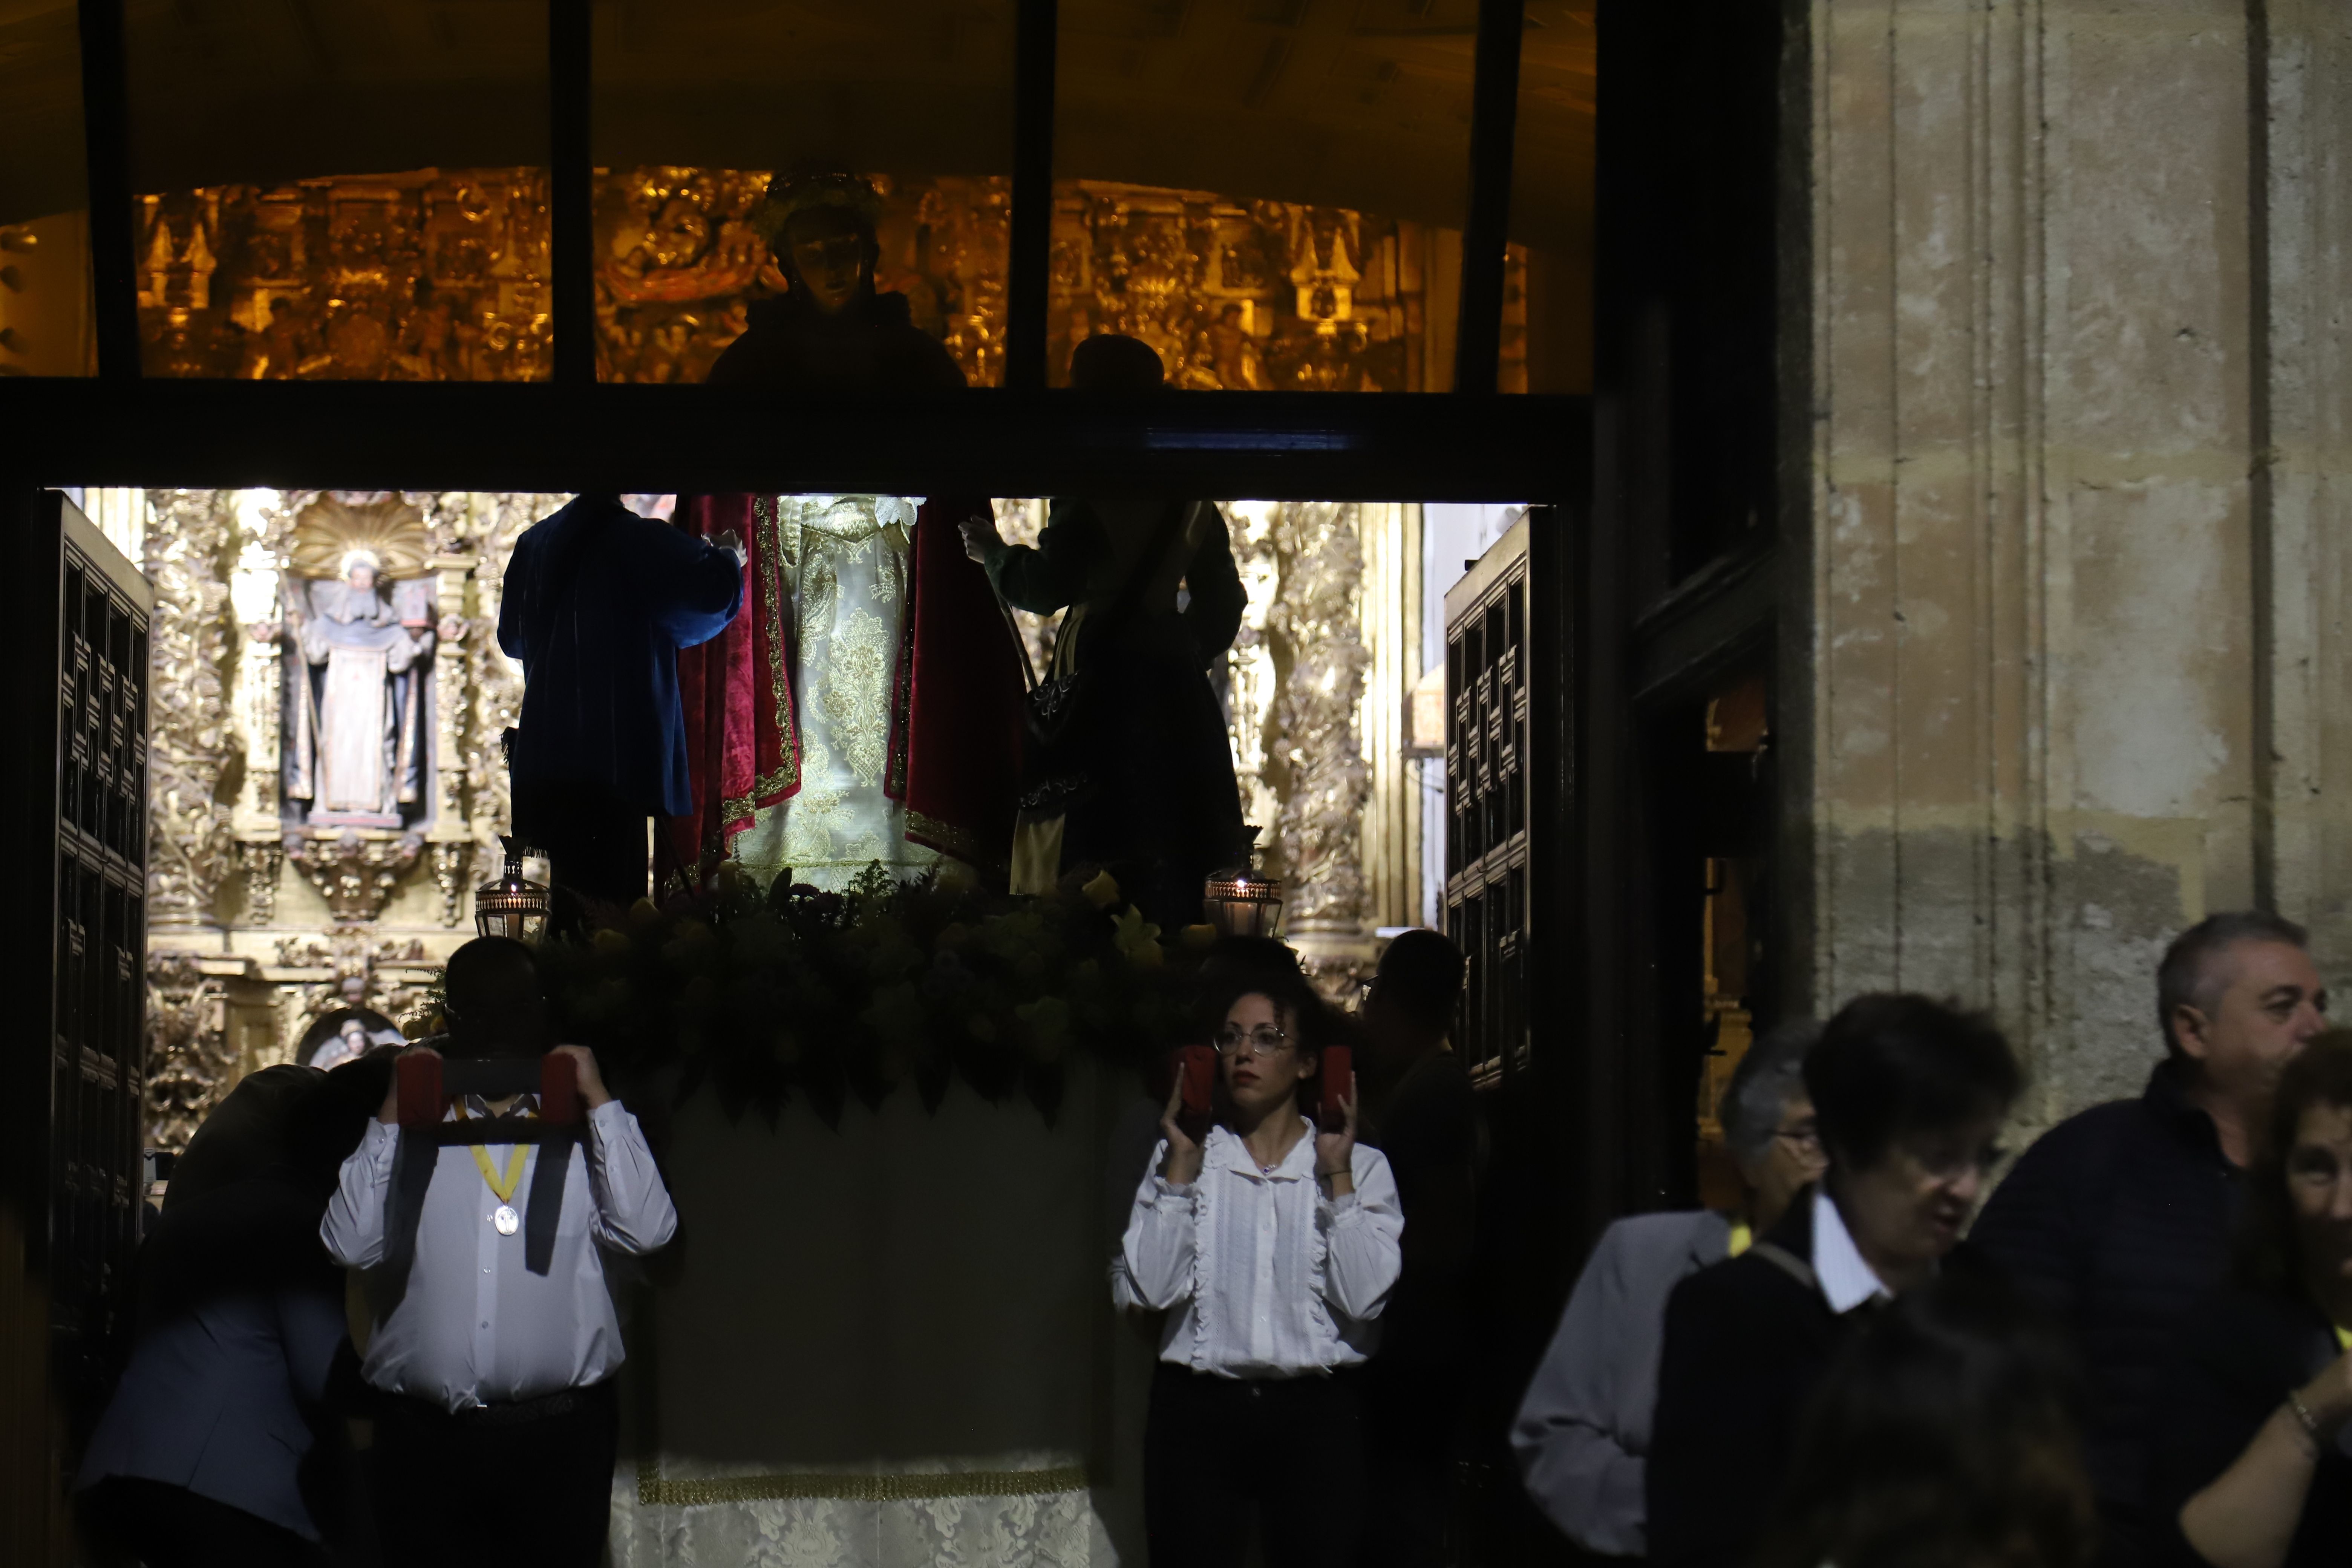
1272,1244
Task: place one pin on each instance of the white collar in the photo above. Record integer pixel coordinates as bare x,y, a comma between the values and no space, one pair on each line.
1236,1156
1846,1280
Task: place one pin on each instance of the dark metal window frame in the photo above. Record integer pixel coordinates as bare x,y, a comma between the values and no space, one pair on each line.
574,433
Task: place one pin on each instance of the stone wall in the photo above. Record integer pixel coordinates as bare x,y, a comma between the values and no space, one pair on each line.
2081,485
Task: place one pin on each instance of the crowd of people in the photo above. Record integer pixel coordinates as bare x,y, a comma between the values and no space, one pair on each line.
2139,1355
2135,1357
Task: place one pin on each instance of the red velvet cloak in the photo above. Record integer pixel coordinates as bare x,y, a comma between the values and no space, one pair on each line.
955,729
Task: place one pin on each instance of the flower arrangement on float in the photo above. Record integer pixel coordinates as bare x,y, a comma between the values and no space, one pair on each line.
890,985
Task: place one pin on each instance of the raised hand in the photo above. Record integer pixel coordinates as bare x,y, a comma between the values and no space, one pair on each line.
979,533
1181,1168
593,1092
391,1111
1334,1153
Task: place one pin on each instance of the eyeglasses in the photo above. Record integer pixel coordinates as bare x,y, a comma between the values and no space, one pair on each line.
1263,1041
1805,1141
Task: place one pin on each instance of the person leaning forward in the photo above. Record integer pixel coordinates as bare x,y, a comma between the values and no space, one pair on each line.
496,1434
1908,1096
2117,1220
1583,1435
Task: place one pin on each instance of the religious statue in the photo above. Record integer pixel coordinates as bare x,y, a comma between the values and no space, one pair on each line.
359,635
865,704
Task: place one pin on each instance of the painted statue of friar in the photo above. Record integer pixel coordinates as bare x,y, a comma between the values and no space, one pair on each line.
865,704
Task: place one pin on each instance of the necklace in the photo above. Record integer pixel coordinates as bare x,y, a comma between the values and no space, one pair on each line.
504,1219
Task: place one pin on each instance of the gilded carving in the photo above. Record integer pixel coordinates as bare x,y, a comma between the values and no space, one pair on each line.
1296,708
260,861
391,976
190,1060
189,555
451,863
441,275
434,274
493,681
355,870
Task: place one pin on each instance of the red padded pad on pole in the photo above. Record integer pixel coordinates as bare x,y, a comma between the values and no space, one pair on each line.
559,1090
420,1102
1339,1084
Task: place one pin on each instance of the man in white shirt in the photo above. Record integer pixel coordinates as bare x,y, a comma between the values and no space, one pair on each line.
496,1336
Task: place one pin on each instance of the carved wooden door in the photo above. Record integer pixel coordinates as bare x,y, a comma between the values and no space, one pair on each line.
74,838
1510,867
1505,781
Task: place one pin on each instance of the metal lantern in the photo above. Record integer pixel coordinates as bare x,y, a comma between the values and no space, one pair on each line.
513,905
1242,901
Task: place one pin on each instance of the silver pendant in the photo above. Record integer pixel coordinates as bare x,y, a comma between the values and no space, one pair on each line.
507,1220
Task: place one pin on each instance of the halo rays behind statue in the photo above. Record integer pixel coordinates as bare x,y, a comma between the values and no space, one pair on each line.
360,614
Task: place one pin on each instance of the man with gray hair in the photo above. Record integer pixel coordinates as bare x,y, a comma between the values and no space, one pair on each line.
2118,1220
1583,1435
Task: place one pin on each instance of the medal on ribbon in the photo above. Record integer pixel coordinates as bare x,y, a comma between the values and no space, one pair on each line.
504,1218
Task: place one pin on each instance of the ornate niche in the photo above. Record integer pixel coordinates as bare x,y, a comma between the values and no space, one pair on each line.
328,696
358,621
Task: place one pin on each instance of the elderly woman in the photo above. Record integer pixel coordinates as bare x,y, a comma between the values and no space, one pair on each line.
1583,1430
2248,1448
1908,1097
1272,1244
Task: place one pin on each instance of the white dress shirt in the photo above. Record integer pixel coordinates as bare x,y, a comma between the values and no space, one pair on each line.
1847,1281
1262,1275
474,1326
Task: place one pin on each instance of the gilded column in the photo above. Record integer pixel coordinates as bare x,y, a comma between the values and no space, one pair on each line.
189,553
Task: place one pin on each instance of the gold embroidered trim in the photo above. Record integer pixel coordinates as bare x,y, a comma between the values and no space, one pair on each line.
655,1492
762,788
775,562
961,843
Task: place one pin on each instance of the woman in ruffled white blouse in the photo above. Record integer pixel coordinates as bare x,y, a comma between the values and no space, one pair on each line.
1272,1246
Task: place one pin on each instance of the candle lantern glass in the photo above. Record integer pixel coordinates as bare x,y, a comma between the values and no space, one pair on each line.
1242,901
513,905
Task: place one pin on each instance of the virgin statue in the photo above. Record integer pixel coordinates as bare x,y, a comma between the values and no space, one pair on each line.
358,722
865,705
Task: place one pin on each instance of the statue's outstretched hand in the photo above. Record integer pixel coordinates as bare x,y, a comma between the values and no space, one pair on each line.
732,542
979,533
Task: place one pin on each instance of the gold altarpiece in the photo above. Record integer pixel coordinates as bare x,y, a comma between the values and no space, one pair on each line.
269,927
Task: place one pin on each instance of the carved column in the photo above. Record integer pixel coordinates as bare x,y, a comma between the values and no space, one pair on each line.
255,706
1297,691
452,836
1316,767
494,679
189,551
190,1060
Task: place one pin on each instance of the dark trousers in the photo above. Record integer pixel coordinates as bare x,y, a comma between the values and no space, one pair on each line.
1289,1452
511,1486
595,841
166,1526
1412,1409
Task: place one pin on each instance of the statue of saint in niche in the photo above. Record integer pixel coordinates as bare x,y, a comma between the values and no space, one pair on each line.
361,642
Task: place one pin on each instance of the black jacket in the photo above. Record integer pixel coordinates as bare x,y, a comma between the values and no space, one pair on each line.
2117,1220
1747,1343
2228,1370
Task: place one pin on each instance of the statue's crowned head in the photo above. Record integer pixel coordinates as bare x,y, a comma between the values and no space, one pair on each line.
360,568
820,226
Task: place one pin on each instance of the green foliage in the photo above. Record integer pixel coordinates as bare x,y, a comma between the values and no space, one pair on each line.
891,984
